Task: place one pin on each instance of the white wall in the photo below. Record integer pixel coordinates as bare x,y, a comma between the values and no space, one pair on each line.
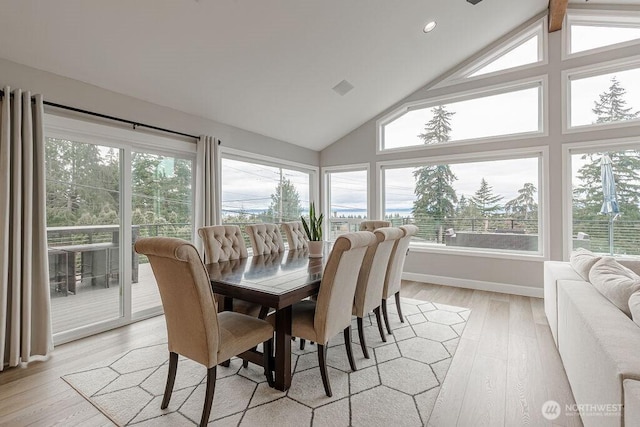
507,275
74,93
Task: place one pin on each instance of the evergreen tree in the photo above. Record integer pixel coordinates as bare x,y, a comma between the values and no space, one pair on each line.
437,129
436,197
611,106
524,206
485,201
285,202
587,195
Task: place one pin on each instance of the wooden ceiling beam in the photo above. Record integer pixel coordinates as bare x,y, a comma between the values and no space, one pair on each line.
557,10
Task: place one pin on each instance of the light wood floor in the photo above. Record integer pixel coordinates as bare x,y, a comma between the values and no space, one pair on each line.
505,367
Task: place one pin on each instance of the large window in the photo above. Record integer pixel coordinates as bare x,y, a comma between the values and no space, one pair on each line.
346,200
606,218
596,31
488,205
262,191
105,188
610,96
511,110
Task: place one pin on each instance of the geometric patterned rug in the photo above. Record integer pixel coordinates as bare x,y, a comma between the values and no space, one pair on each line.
397,386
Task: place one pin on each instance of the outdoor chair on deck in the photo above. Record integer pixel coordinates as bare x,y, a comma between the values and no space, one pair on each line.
195,329
394,272
321,320
371,280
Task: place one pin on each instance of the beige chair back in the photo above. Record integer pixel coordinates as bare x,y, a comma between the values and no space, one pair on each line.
373,225
265,238
339,280
374,270
189,307
396,263
296,236
222,243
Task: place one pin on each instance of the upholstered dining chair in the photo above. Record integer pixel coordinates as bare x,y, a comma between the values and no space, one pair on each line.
195,329
296,237
394,272
225,243
371,280
265,238
320,320
372,225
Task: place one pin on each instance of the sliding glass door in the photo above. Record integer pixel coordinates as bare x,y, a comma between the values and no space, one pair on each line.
83,230
106,187
161,205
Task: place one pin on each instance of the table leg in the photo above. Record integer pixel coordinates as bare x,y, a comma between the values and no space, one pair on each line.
283,348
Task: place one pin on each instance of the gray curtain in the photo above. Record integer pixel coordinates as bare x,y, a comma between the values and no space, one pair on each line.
25,307
205,186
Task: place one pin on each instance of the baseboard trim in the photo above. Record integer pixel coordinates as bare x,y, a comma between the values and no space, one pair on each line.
480,285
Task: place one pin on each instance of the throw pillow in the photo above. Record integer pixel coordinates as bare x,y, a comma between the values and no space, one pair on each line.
634,307
582,260
615,281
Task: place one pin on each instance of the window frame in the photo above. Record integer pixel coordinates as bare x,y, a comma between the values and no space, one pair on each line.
568,150
540,81
245,156
542,152
587,71
326,188
127,141
595,17
539,27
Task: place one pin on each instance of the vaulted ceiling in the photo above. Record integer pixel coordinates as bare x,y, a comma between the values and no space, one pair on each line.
264,66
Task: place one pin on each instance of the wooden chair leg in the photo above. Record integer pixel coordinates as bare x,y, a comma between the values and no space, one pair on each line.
363,344
264,310
302,343
399,307
386,316
347,344
379,320
267,350
322,361
171,378
208,397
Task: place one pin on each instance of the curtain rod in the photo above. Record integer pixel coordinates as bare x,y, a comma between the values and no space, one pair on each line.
116,119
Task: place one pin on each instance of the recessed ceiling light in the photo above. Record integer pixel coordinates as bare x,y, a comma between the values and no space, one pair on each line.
430,26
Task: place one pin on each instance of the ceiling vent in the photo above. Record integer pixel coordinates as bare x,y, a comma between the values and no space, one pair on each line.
343,88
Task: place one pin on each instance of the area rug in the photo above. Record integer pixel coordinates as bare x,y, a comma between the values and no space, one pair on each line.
397,386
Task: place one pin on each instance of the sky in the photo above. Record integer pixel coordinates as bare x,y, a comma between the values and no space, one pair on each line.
497,114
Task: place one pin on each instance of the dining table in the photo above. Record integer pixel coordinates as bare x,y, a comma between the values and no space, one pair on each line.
277,281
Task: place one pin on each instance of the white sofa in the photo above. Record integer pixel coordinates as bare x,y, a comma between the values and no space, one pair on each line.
598,343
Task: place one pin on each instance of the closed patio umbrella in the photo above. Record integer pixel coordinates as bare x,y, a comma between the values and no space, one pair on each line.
610,204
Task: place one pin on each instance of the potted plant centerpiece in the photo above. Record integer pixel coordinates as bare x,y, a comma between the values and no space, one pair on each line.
314,232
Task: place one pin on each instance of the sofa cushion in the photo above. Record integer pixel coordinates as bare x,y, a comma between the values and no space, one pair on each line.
598,345
582,260
615,281
634,307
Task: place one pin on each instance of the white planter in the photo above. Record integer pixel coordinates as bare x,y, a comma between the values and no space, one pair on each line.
316,249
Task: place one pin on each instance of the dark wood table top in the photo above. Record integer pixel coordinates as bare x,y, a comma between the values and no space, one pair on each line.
274,280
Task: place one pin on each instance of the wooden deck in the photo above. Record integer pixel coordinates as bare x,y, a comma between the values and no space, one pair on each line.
97,303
